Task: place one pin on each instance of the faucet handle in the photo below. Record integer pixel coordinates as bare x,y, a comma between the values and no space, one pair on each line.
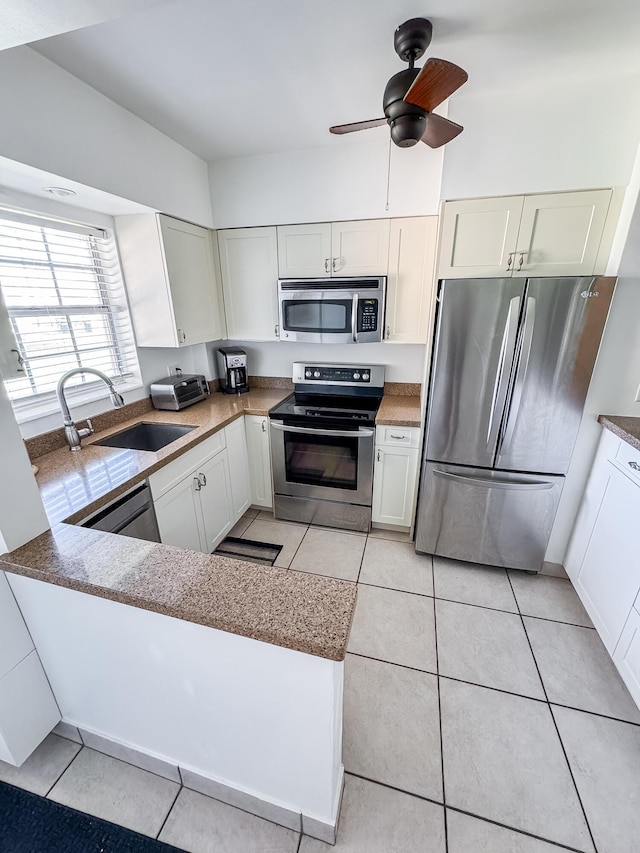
88,430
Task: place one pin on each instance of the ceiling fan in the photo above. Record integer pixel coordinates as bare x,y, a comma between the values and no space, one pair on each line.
411,95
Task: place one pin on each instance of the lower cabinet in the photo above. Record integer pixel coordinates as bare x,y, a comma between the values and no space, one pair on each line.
259,450
216,501
627,655
179,517
395,475
238,466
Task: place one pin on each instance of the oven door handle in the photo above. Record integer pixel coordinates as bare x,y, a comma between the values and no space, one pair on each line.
338,433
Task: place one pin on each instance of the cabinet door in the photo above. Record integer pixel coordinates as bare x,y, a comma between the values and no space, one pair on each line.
609,577
10,364
410,286
249,263
215,501
15,640
238,459
394,484
560,233
304,251
479,237
179,517
627,655
190,271
259,460
360,248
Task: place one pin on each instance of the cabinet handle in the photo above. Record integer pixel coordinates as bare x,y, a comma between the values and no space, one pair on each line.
182,335
276,330
264,426
327,268
634,465
198,486
522,254
399,437
335,264
20,368
510,261
388,335
378,456
202,479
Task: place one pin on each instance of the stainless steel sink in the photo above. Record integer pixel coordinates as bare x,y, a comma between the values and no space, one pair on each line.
145,436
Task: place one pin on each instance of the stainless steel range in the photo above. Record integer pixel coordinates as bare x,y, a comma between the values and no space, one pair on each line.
322,441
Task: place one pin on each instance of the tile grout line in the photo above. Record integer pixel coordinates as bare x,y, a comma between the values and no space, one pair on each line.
175,799
444,792
65,770
304,536
555,725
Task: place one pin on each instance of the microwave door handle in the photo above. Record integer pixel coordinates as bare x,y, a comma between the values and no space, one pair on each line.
338,433
354,318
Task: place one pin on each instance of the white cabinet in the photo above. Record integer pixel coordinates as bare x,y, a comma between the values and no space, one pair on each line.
553,234
238,457
395,475
10,362
28,710
411,281
249,264
320,250
170,275
259,450
192,497
627,655
602,558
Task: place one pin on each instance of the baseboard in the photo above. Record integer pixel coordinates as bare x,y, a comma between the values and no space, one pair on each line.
196,781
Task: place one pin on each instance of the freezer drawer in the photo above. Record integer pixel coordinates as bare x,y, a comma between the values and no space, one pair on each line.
497,518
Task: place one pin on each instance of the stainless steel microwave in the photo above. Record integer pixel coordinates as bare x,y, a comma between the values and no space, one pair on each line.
332,310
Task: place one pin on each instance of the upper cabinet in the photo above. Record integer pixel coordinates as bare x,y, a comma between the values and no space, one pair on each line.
410,285
552,234
249,263
325,249
170,274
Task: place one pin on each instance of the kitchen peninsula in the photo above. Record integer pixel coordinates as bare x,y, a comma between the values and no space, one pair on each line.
226,672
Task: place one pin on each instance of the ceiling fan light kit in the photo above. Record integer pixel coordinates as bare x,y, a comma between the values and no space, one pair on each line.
411,95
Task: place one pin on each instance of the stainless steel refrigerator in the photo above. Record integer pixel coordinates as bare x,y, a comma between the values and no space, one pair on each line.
511,367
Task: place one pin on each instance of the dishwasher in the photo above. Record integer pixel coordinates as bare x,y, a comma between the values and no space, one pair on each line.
132,514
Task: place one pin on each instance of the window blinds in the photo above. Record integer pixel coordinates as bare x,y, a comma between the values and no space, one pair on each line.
63,289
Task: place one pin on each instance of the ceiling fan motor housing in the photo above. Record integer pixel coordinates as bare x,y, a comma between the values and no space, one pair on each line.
407,121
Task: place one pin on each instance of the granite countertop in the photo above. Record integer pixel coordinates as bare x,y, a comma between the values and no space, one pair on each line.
296,610
399,411
626,428
73,485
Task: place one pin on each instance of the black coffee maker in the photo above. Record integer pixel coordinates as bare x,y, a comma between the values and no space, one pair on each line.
232,370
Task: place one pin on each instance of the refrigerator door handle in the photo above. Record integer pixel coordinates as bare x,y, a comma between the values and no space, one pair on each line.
521,373
531,485
502,376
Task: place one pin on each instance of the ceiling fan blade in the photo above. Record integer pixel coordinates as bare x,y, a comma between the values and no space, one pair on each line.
357,125
436,81
439,131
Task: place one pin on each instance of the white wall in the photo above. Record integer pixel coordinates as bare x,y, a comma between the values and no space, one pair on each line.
615,386
55,122
346,179
563,134
404,362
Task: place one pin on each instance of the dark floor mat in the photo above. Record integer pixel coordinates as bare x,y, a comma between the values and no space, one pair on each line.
33,824
246,549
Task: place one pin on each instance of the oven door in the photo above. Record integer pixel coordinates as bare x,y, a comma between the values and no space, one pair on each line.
331,316
331,464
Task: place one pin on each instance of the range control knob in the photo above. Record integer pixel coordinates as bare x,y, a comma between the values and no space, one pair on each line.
308,374
356,376
316,374
365,376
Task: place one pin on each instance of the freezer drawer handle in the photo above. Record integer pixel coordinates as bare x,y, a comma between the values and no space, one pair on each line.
494,484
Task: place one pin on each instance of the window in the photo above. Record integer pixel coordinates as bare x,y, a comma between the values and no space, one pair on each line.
63,290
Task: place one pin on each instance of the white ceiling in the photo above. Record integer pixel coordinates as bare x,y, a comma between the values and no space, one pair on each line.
229,79
22,21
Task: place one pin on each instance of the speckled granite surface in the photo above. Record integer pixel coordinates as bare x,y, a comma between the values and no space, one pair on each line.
296,610
399,411
626,428
402,389
73,485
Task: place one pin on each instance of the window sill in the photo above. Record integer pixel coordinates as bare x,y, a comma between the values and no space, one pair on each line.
50,406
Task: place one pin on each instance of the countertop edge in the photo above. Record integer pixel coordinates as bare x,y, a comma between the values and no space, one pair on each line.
625,427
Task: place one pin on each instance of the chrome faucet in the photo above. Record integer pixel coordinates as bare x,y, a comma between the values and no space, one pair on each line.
71,432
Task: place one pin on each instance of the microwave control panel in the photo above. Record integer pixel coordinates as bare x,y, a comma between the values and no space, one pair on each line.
368,315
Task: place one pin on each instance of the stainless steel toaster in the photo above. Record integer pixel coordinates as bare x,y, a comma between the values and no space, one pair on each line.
178,392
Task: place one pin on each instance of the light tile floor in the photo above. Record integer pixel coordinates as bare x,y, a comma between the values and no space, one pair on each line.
482,715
